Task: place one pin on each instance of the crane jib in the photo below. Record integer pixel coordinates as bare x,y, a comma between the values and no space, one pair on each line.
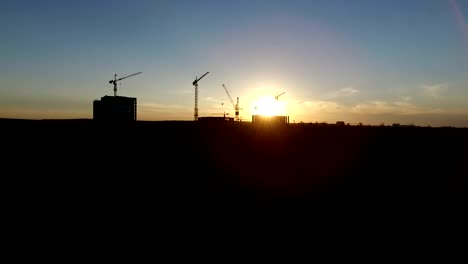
197,79
229,96
128,76
114,82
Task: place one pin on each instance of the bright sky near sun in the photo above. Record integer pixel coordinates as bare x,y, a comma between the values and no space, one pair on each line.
369,61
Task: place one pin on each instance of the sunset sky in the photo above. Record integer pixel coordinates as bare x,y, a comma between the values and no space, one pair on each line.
369,61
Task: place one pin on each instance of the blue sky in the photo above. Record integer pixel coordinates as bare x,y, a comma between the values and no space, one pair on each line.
369,61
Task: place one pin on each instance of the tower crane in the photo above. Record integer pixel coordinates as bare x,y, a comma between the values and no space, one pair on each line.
116,80
236,106
195,83
278,95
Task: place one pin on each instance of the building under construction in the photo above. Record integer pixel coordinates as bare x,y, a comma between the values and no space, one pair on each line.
115,108
262,120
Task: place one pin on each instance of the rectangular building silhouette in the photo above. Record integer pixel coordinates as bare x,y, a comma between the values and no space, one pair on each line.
115,108
269,120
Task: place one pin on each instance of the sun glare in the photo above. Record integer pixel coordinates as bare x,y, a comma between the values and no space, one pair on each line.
268,106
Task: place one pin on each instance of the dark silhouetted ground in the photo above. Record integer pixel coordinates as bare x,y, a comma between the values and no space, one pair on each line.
192,178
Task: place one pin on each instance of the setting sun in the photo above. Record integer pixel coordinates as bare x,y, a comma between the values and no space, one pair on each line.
269,106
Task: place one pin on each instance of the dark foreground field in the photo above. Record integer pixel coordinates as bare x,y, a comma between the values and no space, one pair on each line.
183,177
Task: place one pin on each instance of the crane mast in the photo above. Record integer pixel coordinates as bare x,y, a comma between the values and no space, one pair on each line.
195,83
115,80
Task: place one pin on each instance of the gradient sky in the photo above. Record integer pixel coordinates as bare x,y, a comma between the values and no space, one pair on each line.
369,61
